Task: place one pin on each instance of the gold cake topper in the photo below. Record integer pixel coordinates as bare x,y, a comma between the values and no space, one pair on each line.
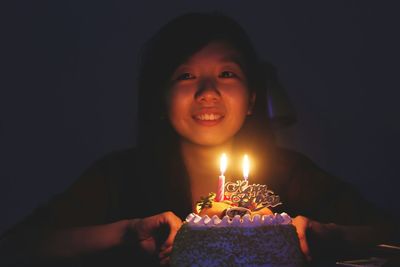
253,196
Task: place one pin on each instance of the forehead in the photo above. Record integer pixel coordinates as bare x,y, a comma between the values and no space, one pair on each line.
220,51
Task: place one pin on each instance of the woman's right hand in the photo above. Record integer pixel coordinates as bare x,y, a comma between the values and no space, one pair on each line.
156,234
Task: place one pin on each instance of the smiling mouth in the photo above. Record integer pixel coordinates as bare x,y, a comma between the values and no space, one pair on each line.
208,117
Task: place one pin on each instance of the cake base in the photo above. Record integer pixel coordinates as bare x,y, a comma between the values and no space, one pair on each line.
266,245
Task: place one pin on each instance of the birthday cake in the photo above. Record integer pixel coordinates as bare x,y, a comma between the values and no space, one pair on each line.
241,230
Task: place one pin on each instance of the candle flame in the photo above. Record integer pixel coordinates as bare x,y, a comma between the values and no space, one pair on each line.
223,163
246,167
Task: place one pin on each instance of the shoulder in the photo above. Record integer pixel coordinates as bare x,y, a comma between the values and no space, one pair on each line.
105,174
300,181
292,162
290,156
300,169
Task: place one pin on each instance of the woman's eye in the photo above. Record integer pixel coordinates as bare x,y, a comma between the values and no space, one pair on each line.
227,74
185,76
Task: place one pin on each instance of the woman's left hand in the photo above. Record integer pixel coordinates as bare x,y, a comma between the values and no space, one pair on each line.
306,227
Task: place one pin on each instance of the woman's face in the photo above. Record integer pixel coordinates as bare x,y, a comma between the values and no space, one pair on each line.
208,98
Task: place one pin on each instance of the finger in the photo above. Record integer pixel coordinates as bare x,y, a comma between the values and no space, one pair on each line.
302,223
175,224
170,240
304,245
164,261
166,252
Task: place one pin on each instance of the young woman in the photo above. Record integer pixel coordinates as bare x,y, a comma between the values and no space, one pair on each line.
202,93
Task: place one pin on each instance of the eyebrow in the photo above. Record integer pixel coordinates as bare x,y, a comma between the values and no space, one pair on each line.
235,59
227,59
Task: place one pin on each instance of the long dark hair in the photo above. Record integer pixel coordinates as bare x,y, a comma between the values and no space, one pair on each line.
172,45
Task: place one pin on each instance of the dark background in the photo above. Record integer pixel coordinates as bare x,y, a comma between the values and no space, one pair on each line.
68,91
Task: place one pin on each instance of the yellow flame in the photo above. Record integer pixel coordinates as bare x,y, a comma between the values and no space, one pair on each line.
246,166
223,163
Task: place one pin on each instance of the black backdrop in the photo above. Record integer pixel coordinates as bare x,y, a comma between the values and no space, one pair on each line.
68,92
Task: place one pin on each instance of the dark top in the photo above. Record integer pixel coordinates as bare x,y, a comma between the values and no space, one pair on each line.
134,184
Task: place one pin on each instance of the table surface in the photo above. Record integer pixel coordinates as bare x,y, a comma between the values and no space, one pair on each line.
384,255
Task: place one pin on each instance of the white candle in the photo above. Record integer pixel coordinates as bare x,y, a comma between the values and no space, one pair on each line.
246,167
221,178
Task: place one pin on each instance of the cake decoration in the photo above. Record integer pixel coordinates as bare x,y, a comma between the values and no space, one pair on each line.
240,197
247,220
253,197
205,202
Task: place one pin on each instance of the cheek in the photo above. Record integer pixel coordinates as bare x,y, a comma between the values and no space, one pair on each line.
240,102
178,101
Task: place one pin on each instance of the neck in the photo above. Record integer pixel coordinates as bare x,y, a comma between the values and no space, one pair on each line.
203,158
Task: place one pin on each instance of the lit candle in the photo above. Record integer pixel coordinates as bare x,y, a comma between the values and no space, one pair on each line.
221,178
246,167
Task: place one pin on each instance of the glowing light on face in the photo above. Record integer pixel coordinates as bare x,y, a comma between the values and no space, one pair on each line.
208,98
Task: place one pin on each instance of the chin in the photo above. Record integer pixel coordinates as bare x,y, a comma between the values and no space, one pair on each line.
209,141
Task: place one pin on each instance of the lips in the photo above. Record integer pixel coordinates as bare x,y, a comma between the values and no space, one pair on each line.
208,117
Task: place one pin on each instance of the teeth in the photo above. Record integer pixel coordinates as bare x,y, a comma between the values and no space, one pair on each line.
208,117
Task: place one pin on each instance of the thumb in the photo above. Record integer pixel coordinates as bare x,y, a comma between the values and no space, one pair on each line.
302,223
304,245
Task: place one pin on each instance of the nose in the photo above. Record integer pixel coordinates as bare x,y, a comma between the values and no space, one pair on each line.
207,91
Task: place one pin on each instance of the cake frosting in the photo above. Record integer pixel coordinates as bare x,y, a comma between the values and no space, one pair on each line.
268,240
246,220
